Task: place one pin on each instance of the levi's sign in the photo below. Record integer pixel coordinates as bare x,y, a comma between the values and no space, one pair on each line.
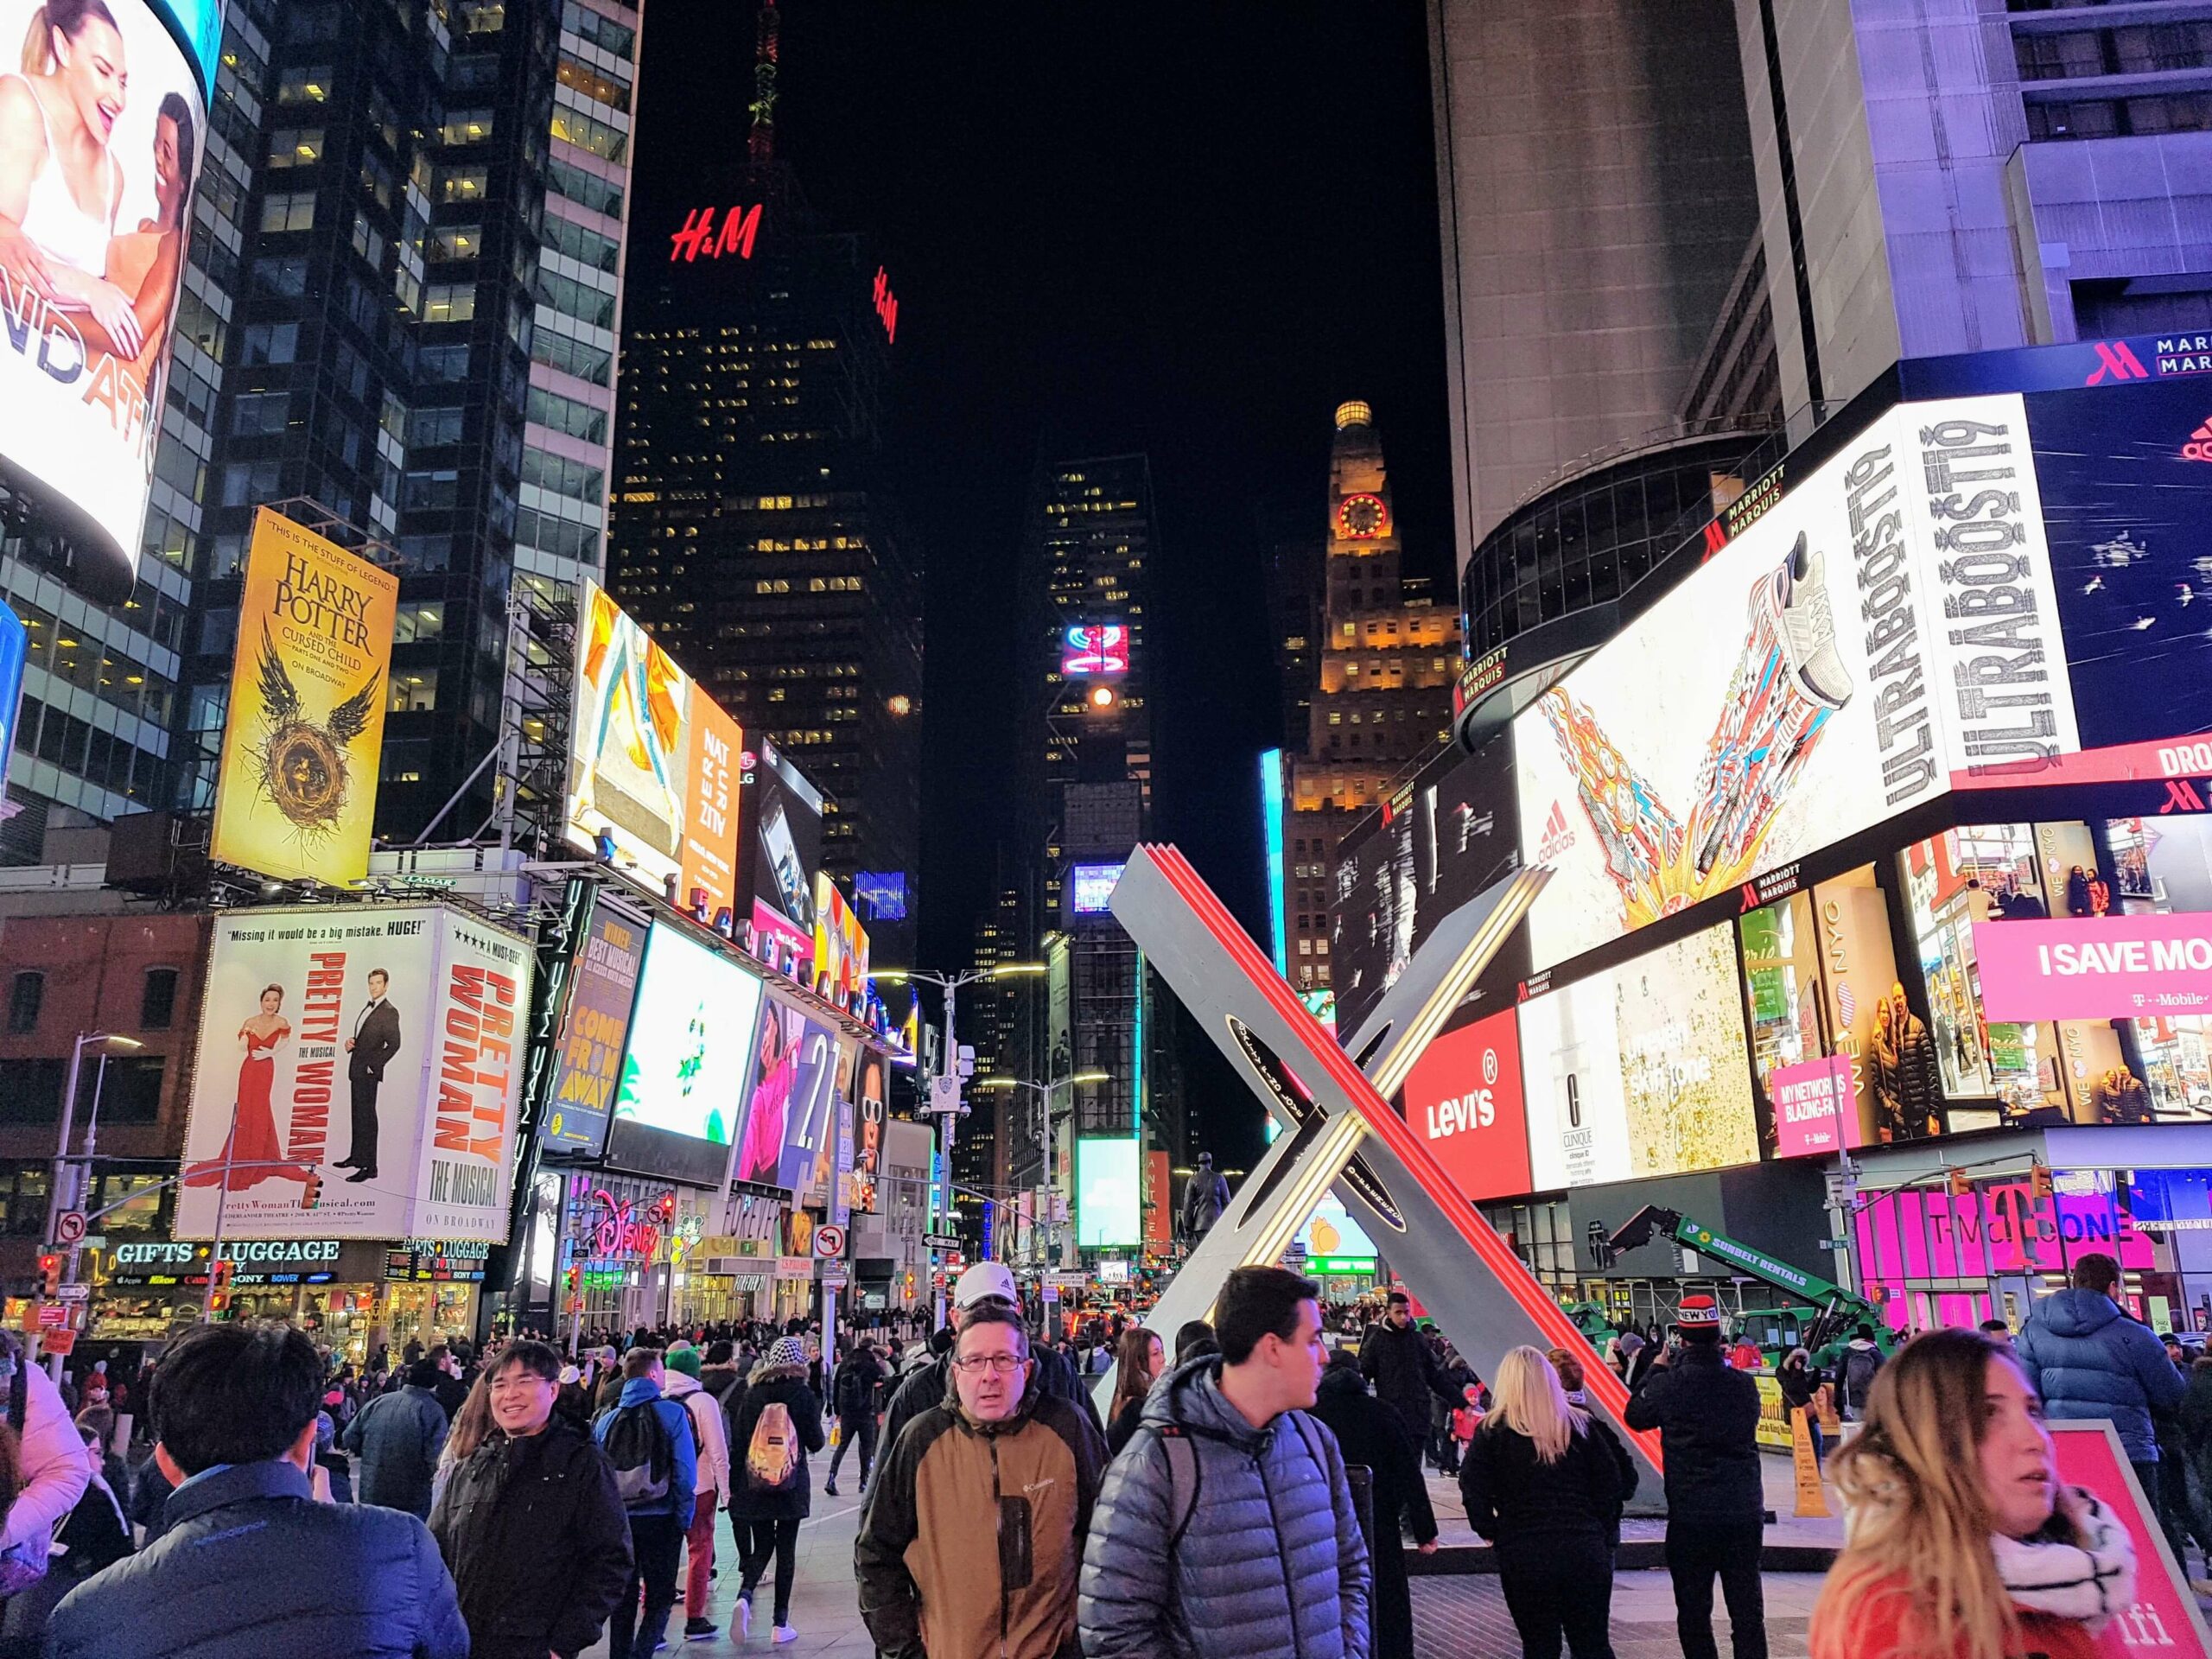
2102,968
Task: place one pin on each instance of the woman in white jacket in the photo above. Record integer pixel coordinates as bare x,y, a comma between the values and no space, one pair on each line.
52,1472
713,1488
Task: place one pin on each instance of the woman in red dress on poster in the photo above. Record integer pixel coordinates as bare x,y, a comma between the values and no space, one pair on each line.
253,1154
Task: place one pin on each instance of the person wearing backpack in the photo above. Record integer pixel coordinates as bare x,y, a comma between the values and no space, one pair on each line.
1855,1373
710,1438
779,1424
648,1441
854,1397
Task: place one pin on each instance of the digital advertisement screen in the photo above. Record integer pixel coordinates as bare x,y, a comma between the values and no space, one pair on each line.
881,893
1640,1069
359,1074
1822,672
782,813
840,944
297,792
791,1117
602,985
113,127
15,648
1091,887
1107,1196
1331,1233
652,760
680,1106
1095,649
1463,1098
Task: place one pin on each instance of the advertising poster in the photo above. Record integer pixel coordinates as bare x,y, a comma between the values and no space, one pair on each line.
840,944
114,129
2144,967
1106,1202
783,815
708,879
791,1081
1815,1107
841,1185
15,648
680,1105
810,1153
1641,1070
296,796
1463,1098
602,988
358,1077
2165,1616
628,742
867,1132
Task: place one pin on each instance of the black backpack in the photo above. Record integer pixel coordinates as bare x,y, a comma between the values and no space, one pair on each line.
638,1445
1858,1367
854,1390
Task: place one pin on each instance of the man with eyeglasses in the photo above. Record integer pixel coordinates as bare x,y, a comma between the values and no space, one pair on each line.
997,1461
987,1284
530,1524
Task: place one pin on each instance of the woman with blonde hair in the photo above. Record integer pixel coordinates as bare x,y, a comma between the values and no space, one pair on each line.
1546,1490
1962,1544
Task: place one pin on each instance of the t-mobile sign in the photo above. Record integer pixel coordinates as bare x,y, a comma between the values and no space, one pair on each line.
2096,968
1463,1098
1811,1101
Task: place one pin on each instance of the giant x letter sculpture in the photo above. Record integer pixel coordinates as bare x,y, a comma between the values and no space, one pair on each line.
1338,1126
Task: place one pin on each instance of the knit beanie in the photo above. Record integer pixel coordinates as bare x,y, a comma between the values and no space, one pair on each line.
788,1351
685,1358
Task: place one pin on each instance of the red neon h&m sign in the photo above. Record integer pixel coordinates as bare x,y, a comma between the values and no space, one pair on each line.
701,235
886,304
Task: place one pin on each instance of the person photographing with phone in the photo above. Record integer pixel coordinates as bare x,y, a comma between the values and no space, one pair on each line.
999,1458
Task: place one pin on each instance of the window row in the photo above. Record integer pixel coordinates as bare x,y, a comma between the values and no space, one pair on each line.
157,999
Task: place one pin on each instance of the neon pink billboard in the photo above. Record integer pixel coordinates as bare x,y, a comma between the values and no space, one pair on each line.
1999,1228
2096,968
1815,1107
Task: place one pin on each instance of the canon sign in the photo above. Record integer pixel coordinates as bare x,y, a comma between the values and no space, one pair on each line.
1464,1098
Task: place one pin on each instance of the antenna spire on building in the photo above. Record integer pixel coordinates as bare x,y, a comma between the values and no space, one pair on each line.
762,143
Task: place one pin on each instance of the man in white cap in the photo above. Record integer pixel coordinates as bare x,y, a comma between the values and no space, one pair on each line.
987,1284
1707,1416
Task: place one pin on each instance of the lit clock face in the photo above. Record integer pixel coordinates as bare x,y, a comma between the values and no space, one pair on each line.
1362,516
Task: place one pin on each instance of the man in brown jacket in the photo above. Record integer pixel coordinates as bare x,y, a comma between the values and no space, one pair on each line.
995,1459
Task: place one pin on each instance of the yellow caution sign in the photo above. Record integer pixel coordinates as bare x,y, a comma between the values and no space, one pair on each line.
1811,1500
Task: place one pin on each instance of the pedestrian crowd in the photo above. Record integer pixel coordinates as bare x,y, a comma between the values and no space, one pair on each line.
1252,1487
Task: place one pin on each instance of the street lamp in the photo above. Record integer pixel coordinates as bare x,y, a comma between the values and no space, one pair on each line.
1045,1091
949,1114
67,1172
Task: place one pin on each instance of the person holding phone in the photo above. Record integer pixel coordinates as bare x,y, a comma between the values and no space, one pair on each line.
999,1458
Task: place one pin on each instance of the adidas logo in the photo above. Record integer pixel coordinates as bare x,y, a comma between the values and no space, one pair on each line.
2199,446
1557,837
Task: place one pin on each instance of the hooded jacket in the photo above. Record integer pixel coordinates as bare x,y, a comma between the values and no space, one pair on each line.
1268,1563
2087,1360
927,1584
684,1476
535,1536
770,1384
713,1436
251,1567
1406,1375
397,1437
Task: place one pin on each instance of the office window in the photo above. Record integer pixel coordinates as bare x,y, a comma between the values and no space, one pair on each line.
587,189
287,213
463,184
285,277
25,997
456,241
271,342
157,1000
571,126
428,426
443,364
449,302
414,690
260,414
308,85
294,147
415,623
437,490
467,126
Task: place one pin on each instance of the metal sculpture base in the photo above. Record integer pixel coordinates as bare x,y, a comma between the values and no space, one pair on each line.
1338,1128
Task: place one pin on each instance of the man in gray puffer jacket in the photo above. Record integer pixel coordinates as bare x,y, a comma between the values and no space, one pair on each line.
1279,1570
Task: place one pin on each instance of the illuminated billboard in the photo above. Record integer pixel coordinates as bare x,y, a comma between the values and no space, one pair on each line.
15,649
1890,619
840,944
588,1069
1106,1213
296,796
106,128
1090,888
358,1074
681,1102
1095,649
783,811
651,760
1639,1070
1463,1099
790,1117
884,893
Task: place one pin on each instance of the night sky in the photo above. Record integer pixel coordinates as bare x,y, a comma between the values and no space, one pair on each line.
1191,231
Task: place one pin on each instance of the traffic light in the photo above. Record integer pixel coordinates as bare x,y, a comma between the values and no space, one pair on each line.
219,1301
2039,1187
1962,1184
49,1275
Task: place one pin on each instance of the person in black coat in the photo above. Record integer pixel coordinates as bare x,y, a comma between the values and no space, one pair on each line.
1707,1416
530,1524
1543,1482
1406,1375
1369,1434
766,1520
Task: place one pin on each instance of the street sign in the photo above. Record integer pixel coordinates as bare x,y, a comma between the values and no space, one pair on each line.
944,1098
829,1240
74,1293
57,1342
1051,1292
833,1278
52,1316
69,1227
942,1241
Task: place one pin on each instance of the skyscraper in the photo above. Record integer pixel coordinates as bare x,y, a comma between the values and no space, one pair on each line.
755,532
1382,700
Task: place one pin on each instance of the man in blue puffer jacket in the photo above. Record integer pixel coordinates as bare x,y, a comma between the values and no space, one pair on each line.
2089,1359
660,1522
249,1565
1279,1569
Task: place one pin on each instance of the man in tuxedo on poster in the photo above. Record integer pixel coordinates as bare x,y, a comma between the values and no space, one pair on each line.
374,1042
